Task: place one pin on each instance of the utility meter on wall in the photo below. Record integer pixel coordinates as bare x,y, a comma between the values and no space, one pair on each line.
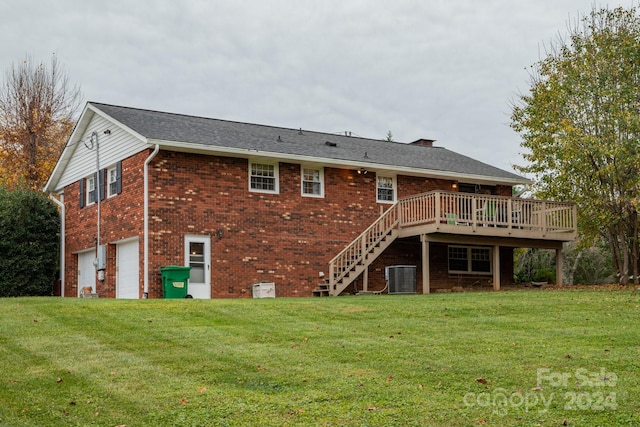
101,259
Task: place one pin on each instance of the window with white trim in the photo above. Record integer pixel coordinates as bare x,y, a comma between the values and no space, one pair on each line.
112,181
470,259
386,189
312,181
91,190
263,177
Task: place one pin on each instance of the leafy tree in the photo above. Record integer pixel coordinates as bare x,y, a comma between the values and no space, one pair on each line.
37,105
580,125
389,137
29,243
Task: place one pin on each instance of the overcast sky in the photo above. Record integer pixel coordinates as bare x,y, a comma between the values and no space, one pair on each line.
447,70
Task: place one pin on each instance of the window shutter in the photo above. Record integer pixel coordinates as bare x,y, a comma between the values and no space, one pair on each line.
82,200
102,183
118,177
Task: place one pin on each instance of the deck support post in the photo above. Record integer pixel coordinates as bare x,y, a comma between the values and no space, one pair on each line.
496,268
365,280
425,264
559,267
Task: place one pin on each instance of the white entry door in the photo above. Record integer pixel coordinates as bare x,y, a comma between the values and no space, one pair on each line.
197,255
127,276
86,270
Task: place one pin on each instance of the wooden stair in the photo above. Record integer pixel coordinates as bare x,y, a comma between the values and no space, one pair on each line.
353,260
322,290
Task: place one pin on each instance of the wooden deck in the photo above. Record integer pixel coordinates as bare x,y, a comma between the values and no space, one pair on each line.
458,214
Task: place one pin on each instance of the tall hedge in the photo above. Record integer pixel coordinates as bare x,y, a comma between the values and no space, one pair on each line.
29,243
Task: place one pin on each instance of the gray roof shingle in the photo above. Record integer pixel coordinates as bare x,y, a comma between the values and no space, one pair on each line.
295,142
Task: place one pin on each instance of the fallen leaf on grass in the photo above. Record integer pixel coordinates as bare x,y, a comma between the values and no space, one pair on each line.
59,380
390,378
260,368
481,380
202,389
537,388
372,408
482,421
183,401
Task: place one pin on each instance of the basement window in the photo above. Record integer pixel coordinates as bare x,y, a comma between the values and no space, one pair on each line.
470,259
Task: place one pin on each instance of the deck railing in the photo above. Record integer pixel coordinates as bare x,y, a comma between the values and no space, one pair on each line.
487,210
450,212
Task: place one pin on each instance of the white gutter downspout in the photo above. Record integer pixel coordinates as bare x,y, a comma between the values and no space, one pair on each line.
60,203
145,293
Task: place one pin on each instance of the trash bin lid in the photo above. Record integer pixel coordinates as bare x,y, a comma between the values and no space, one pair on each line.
175,267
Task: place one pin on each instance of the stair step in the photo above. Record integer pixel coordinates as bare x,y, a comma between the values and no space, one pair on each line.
320,292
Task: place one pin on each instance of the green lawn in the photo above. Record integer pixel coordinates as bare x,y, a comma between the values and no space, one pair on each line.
549,358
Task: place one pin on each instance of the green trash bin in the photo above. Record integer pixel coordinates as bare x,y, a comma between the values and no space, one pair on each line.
175,281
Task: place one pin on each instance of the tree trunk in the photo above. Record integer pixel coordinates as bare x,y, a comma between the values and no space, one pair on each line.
615,253
572,271
624,278
32,159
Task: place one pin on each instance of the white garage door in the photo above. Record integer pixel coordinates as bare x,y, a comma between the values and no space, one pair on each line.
86,270
127,278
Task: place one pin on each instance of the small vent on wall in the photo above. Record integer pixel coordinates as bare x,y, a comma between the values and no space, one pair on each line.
331,144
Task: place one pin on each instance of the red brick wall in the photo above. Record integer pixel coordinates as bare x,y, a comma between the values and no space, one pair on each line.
121,218
283,238
409,252
442,279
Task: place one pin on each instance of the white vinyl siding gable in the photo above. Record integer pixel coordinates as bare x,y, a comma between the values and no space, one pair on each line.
118,145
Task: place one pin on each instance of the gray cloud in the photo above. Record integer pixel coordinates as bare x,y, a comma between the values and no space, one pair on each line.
437,69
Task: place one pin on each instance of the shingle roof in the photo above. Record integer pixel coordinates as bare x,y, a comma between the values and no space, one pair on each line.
213,133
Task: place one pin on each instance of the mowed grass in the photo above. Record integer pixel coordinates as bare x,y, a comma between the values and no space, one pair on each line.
549,358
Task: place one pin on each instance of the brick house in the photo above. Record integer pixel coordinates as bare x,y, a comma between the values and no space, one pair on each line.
313,213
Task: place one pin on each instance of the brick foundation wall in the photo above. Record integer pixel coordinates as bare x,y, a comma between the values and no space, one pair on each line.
409,252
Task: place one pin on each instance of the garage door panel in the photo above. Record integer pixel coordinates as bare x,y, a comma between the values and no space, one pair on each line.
127,280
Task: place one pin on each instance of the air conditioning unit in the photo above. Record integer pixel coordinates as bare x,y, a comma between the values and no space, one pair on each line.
401,279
